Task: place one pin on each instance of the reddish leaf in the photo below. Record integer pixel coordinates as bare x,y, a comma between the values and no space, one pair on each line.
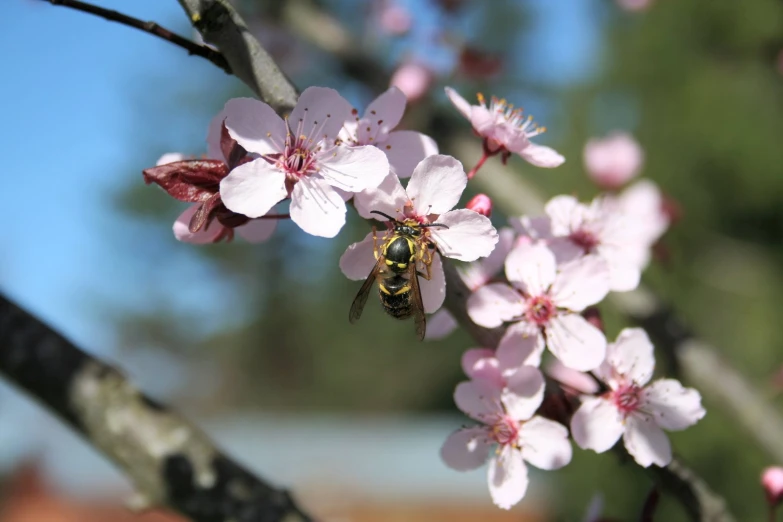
189,180
232,151
202,215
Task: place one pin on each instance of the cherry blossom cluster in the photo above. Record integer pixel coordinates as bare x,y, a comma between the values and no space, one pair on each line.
540,277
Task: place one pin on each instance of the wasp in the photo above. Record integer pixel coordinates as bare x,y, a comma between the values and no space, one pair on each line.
396,273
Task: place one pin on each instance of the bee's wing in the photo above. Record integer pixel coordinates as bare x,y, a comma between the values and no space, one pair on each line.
361,298
418,305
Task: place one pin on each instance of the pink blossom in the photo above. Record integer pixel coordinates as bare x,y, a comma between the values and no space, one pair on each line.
544,300
644,205
602,229
414,79
433,190
632,410
497,367
505,130
510,424
772,480
613,161
298,160
403,148
475,275
480,203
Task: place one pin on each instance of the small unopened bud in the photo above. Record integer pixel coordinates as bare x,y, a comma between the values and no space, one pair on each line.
613,161
481,204
772,480
413,79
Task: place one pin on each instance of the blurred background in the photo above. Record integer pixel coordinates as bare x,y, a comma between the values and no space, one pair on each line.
252,341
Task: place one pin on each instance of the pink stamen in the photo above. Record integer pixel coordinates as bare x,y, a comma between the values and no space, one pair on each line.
540,310
627,398
585,239
505,430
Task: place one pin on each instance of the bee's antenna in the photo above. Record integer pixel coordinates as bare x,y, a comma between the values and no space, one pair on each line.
434,225
387,216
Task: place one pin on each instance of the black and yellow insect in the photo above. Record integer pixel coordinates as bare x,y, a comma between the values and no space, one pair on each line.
396,273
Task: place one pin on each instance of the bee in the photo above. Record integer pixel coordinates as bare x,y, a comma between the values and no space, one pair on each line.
396,273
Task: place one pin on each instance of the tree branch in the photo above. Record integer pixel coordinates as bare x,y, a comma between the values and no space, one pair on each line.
171,462
148,27
220,24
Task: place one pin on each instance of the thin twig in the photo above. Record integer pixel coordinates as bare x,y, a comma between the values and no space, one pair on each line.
148,27
171,462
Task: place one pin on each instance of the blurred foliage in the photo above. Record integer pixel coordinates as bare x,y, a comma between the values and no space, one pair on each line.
698,84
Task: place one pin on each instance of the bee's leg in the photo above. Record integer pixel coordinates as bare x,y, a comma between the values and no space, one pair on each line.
375,242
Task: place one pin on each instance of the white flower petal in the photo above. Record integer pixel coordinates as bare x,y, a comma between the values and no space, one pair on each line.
317,207
597,425
646,442
481,364
388,197
358,259
565,213
581,283
353,168
383,114
436,184
459,102
204,236
253,188
433,292
521,345
631,356
257,230
466,449
479,273
254,125
469,236
507,478
531,267
479,400
524,393
545,443
215,129
577,343
541,156
405,149
440,324
673,406
321,112
493,304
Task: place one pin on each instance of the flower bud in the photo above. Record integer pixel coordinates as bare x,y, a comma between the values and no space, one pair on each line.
772,480
413,79
481,204
613,161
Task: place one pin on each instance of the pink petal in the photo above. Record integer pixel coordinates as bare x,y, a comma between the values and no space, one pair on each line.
405,149
507,478
353,168
521,345
581,283
673,406
541,156
436,185
383,114
257,230
481,364
317,208
204,236
480,272
479,400
493,304
255,126
531,267
631,356
170,157
319,113
440,325
459,102
625,268
577,343
523,393
253,189
387,197
597,425
433,292
466,449
214,131
646,442
359,259
613,161
545,443
565,213
579,381
469,236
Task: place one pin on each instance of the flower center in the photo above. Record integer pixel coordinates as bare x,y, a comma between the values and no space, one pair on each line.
505,430
627,398
505,112
298,157
584,239
540,310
